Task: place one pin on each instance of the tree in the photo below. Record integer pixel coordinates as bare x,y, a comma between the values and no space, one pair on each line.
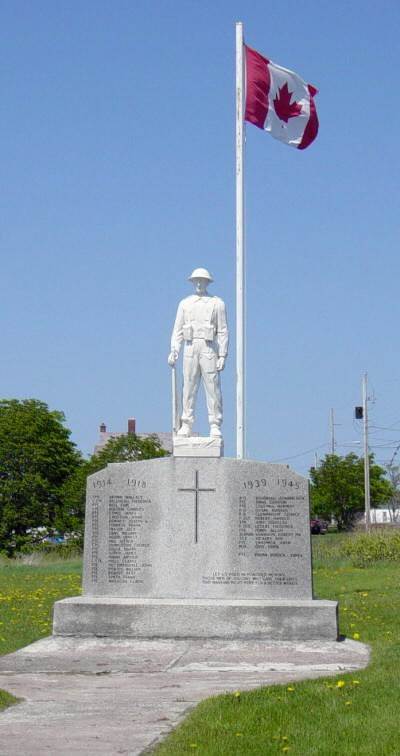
36,458
125,448
337,487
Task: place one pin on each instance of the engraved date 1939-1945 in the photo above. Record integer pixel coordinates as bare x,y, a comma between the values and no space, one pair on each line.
262,482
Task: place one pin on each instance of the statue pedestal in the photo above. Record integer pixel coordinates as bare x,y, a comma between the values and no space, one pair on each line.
191,547
198,446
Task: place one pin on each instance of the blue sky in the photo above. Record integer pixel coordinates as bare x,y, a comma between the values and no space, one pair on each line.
117,154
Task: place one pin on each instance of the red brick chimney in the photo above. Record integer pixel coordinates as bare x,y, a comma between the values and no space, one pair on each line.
131,426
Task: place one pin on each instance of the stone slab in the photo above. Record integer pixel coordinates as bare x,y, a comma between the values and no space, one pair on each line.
110,697
198,446
201,618
197,528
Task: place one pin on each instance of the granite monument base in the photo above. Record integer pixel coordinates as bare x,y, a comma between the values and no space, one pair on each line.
227,619
198,548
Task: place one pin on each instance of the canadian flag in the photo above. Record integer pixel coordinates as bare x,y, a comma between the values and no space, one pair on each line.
279,101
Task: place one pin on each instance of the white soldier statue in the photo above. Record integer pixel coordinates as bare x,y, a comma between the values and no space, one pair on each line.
201,324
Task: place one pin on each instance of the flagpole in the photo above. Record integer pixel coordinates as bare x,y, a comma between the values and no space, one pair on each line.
240,289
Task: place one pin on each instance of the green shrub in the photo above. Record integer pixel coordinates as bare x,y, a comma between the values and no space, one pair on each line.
367,548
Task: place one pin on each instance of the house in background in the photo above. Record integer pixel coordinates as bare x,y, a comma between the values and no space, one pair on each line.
105,435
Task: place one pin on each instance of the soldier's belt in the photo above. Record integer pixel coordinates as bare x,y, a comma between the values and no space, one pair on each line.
198,332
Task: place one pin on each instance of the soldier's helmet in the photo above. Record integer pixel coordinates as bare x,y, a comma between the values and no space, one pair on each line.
201,273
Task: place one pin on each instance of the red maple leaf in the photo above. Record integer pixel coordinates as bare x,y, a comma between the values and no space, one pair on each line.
285,109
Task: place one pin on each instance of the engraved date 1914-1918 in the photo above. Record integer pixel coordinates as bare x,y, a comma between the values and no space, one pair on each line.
262,482
102,483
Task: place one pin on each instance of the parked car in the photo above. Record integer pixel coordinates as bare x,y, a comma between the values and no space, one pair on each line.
318,527
54,539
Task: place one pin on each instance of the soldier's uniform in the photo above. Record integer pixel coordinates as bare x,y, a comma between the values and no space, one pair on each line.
201,324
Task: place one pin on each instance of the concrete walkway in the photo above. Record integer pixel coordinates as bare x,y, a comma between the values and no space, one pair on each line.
97,696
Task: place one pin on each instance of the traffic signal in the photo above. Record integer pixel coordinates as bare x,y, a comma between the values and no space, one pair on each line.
358,413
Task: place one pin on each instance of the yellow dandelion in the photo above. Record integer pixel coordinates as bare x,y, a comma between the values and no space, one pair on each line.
340,684
237,694
356,636
290,688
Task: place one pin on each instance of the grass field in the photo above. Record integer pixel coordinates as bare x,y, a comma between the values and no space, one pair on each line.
348,714
27,595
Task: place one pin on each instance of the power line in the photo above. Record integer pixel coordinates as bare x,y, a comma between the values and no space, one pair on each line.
388,428
300,454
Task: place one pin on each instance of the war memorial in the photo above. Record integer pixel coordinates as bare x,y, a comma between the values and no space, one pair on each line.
197,545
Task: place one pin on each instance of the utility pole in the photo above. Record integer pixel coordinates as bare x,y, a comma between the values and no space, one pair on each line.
366,454
332,427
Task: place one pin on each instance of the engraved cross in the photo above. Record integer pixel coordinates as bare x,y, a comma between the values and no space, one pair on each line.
196,490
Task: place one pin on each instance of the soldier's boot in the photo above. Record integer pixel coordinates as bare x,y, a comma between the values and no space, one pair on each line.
185,429
215,430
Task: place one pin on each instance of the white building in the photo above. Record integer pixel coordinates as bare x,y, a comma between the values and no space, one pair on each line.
384,516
